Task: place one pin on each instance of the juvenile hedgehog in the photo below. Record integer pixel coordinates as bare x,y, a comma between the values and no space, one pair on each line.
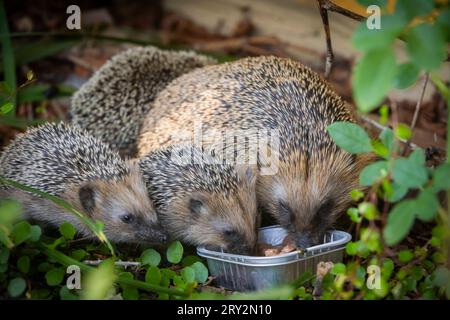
114,102
201,201
67,162
313,178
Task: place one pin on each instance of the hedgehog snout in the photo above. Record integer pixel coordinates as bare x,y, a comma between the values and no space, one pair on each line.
305,239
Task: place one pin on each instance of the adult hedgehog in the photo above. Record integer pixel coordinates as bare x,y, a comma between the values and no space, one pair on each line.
314,177
67,162
114,102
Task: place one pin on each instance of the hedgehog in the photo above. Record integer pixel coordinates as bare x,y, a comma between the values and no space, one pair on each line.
113,103
201,201
67,162
310,187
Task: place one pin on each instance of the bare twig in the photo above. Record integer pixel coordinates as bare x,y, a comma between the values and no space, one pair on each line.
380,127
326,26
419,103
328,5
119,263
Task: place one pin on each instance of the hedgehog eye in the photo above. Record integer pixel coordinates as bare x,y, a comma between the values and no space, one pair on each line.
229,233
284,208
323,212
127,218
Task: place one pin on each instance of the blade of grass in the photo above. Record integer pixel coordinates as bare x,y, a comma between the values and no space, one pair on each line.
37,92
8,57
154,41
65,205
20,123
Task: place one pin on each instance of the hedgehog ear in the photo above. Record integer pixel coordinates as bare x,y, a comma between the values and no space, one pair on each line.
197,207
87,198
247,174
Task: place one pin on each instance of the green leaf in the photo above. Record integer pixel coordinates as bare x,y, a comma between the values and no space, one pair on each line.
67,230
6,108
54,276
8,56
153,275
413,8
178,281
338,268
418,157
366,3
99,282
373,173
365,39
175,252
368,210
351,248
387,138
168,273
354,215
399,222
427,205
384,116
5,88
16,287
4,255
407,74
23,264
188,274
441,177
408,173
150,257
201,272
4,238
21,232
402,131
65,294
426,46
380,149
10,211
78,254
398,192
350,137
35,233
443,21
405,256
30,75
190,260
130,293
387,268
372,78
356,194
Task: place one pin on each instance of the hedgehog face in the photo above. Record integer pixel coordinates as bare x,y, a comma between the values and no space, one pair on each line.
125,209
218,220
306,196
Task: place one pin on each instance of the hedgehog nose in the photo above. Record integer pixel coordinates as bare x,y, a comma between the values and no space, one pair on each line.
242,249
303,240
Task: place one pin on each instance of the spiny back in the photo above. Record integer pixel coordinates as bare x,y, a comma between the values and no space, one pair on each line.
115,100
261,93
52,156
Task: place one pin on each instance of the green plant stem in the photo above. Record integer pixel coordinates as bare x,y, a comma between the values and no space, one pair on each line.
67,261
8,57
448,161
